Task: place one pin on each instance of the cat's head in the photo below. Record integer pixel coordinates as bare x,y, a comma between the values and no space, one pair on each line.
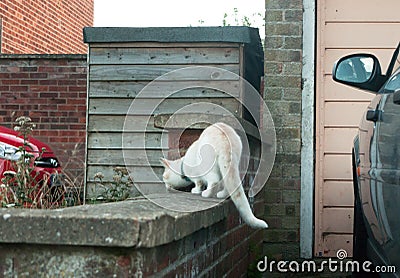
172,175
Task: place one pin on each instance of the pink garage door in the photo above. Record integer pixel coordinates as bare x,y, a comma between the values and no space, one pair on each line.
343,27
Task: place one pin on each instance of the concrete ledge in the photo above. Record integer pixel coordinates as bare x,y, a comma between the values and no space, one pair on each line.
131,223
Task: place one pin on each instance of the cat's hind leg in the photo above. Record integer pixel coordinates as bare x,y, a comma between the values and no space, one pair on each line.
210,191
213,185
198,187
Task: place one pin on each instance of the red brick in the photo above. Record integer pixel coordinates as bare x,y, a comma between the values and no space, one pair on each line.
47,82
76,101
76,88
48,95
29,82
39,88
77,76
69,95
58,114
19,75
28,69
10,81
58,88
39,75
58,139
47,69
67,82
4,88
68,133
39,114
45,26
67,107
18,88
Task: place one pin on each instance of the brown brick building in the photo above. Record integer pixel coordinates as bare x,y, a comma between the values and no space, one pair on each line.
44,26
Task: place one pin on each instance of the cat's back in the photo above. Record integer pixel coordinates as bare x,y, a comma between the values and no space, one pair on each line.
222,136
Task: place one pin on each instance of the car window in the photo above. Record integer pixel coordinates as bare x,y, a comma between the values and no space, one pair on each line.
392,84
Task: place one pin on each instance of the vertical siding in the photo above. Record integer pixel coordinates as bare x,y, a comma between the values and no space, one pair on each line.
117,73
343,27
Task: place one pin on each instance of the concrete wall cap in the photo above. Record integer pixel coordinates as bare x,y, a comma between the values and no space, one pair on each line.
130,223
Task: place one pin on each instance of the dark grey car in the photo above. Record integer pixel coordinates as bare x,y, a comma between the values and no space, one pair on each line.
376,162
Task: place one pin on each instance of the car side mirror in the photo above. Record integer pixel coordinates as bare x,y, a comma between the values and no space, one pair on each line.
362,71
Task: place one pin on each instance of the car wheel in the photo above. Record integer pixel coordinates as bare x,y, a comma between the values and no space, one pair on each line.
360,235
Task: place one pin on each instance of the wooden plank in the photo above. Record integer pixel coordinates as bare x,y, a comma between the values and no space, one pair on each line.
369,35
338,194
183,89
337,220
134,140
339,140
133,157
336,92
337,167
121,106
118,123
344,114
171,55
335,242
203,120
362,11
139,174
150,72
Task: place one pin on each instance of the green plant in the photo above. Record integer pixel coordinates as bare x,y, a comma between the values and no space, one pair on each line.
235,19
116,190
74,183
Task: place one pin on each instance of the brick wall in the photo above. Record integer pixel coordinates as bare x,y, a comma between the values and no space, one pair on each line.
197,255
226,248
283,67
44,26
51,89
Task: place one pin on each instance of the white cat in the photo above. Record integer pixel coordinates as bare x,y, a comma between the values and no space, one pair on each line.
212,162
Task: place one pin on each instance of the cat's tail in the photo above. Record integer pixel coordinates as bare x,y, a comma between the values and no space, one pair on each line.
232,184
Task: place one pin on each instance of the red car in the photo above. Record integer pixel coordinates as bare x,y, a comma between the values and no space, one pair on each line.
44,166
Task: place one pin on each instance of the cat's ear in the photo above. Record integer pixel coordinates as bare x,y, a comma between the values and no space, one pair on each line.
165,162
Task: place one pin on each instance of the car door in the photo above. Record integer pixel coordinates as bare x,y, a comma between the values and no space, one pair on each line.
367,157
376,156
387,170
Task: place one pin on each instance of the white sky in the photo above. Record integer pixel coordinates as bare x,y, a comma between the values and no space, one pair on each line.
151,13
